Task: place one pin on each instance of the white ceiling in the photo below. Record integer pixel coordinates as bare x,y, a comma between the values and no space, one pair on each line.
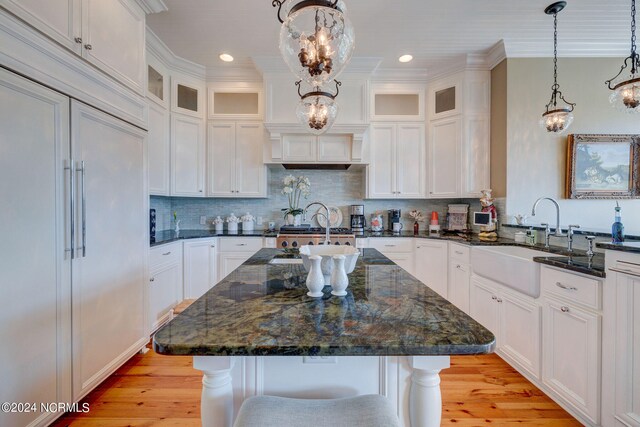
433,31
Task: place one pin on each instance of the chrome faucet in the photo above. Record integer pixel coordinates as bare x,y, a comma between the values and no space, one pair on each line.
570,237
558,232
327,239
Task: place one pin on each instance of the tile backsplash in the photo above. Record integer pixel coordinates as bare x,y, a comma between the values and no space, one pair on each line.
334,188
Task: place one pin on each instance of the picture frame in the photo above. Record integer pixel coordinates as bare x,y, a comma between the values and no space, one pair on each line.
603,166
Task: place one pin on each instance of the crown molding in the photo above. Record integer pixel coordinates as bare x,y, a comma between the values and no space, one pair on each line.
468,62
152,6
172,61
276,65
496,54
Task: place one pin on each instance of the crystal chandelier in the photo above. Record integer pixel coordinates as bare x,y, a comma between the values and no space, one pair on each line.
557,118
317,110
626,87
316,38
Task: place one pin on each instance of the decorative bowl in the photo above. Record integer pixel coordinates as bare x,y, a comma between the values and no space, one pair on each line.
327,252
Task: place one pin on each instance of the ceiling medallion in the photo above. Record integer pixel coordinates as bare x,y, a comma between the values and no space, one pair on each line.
626,88
317,110
316,38
557,118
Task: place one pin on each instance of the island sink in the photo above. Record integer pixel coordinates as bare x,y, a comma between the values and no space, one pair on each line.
512,266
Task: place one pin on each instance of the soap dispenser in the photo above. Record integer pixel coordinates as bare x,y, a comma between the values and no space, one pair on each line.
617,229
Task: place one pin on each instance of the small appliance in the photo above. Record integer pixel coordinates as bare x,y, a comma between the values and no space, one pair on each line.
394,217
358,222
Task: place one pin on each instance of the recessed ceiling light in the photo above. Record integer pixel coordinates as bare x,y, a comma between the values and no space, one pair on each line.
226,57
405,58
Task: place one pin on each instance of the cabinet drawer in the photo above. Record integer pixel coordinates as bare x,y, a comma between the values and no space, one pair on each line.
459,252
392,244
165,254
572,287
240,244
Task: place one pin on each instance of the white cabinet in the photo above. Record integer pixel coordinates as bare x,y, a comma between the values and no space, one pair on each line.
507,314
459,135
234,251
187,156
110,274
159,150
200,267
431,264
109,34
398,102
165,283
398,249
300,148
236,167
235,101
187,95
397,162
459,276
35,361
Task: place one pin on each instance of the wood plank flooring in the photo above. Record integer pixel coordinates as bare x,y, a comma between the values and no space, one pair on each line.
154,390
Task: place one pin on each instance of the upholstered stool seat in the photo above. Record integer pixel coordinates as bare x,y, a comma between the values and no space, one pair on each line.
361,411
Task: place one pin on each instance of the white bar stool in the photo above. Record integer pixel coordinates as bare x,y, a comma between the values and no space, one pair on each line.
362,411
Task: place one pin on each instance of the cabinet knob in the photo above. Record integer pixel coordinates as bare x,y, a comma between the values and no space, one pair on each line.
78,39
493,297
499,300
152,279
199,191
458,266
564,309
88,46
213,246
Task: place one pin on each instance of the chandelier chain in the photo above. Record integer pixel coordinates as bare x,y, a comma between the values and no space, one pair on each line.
633,27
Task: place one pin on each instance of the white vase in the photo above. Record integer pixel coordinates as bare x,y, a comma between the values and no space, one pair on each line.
297,220
339,279
315,280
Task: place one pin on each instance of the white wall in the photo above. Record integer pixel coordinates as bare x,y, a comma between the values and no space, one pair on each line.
536,161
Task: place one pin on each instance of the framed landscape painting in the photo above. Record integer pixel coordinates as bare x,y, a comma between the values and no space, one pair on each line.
603,166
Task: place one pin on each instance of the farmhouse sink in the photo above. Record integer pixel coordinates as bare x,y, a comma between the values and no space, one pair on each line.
511,266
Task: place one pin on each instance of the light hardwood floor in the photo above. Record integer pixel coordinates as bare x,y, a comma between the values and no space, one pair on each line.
154,390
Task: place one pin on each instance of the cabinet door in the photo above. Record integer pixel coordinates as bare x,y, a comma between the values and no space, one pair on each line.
404,260
571,341
475,156
110,277
444,137
299,148
251,173
459,282
113,35
518,315
483,306
165,291
431,265
58,19
381,172
199,267
159,150
334,148
222,153
410,162
229,261
35,285
187,156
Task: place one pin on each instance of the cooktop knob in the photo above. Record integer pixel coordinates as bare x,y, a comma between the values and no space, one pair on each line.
337,243
310,243
294,244
285,244
348,244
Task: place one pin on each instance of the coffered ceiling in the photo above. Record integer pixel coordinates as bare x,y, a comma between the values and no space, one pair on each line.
433,31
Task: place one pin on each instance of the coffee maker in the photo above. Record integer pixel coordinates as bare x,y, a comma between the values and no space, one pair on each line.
357,219
394,217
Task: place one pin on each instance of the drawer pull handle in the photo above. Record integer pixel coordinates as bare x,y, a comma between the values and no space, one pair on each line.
564,309
629,272
390,246
241,244
458,253
565,287
153,279
166,253
213,246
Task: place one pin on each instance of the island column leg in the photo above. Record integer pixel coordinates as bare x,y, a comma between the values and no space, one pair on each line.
216,405
425,399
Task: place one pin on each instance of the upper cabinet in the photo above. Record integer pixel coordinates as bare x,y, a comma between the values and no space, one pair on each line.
398,103
235,101
109,34
187,96
157,81
459,135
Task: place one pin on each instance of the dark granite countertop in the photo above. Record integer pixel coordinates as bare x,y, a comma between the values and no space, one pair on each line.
624,247
263,309
593,266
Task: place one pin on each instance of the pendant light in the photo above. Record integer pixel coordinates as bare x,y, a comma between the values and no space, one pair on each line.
557,118
316,38
626,87
317,110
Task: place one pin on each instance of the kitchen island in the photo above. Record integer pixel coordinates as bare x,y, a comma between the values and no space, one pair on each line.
256,332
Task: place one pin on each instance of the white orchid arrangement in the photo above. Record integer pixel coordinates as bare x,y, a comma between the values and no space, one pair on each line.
416,215
294,188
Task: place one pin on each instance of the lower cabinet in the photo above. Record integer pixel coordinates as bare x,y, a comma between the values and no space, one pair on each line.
234,251
398,249
459,276
431,264
165,283
513,319
200,266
